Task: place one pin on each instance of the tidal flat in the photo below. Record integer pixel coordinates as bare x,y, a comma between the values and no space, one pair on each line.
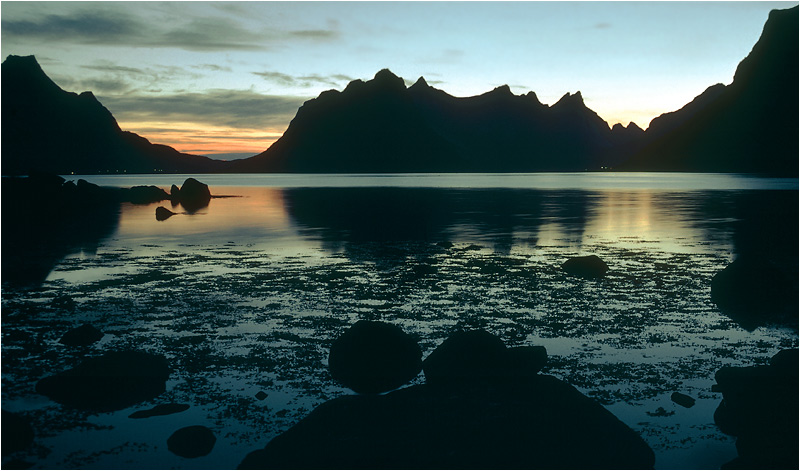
247,295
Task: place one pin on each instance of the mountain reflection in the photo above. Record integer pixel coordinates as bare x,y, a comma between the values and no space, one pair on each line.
355,221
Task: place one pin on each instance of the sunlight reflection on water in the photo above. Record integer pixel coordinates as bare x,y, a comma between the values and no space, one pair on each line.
247,293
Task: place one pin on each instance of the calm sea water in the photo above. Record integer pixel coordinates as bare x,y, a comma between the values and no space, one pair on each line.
246,295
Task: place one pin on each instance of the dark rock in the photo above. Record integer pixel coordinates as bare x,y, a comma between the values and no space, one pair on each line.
261,395
17,464
146,194
539,423
192,442
760,407
163,213
755,292
17,433
590,266
525,361
174,192
477,357
194,195
63,301
110,382
373,357
682,399
660,412
161,409
464,358
81,336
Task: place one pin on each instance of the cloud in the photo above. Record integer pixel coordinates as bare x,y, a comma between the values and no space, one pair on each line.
602,25
315,34
212,34
234,108
85,27
304,81
148,24
212,67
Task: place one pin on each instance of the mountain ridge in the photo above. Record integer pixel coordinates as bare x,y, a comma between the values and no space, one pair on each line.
382,126
48,129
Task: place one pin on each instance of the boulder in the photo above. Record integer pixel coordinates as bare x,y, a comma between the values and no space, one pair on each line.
524,361
161,409
464,358
145,194
760,407
162,213
192,442
538,423
110,382
81,336
373,357
174,192
194,195
590,266
682,399
755,292
17,433
476,356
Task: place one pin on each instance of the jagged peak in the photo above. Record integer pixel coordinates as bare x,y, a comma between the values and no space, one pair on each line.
421,82
531,96
503,89
570,99
386,76
634,127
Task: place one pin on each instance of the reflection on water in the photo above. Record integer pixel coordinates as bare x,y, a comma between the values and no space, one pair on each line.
246,295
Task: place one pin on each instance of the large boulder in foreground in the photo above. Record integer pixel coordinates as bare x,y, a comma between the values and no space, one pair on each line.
760,407
755,292
110,382
538,422
476,357
590,266
374,357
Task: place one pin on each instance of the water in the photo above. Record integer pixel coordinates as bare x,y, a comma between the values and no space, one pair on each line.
247,294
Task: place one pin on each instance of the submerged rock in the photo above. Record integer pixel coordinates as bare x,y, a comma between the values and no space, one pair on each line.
110,382
162,213
760,407
261,395
374,357
590,266
682,399
755,292
192,442
17,433
63,301
161,409
81,336
536,423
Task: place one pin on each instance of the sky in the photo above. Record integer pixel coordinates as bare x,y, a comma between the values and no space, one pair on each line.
224,79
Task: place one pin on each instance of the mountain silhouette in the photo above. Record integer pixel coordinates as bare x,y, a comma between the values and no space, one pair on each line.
382,126
48,129
748,126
